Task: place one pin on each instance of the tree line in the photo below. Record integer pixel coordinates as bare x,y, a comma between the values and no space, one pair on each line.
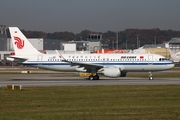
128,36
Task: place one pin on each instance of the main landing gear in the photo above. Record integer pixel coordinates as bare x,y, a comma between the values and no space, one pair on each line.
150,76
94,77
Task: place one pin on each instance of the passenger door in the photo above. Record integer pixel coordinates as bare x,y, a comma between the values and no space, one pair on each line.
150,59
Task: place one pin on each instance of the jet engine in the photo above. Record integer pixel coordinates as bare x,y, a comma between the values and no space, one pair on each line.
112,72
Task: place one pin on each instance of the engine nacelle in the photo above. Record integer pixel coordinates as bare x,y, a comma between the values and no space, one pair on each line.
112,72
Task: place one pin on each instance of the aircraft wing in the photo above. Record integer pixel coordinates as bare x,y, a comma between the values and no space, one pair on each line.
89,67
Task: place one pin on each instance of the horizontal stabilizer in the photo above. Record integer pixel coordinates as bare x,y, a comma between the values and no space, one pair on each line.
16,59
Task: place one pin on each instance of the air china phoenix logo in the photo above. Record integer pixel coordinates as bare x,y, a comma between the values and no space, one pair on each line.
19,42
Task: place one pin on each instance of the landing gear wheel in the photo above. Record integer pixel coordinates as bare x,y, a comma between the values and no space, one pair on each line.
150,78
96,77
91,77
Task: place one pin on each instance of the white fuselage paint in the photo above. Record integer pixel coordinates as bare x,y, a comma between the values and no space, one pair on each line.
126,62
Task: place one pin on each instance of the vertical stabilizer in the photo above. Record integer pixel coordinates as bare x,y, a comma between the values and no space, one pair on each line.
20,43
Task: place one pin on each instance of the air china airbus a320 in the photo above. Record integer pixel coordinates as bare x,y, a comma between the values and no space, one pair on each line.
111,65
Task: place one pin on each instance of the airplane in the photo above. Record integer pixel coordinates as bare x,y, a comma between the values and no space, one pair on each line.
111,65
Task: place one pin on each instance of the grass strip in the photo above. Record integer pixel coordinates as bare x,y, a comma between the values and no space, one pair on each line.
92,102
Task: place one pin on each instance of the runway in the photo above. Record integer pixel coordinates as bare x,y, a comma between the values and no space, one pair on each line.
68,80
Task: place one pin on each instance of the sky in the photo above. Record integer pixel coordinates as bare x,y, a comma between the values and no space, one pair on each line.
95,15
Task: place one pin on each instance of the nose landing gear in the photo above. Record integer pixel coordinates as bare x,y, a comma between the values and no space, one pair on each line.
150,76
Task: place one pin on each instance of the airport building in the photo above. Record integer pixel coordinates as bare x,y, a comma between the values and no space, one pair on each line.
3,42
3,38
174,46
92,44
